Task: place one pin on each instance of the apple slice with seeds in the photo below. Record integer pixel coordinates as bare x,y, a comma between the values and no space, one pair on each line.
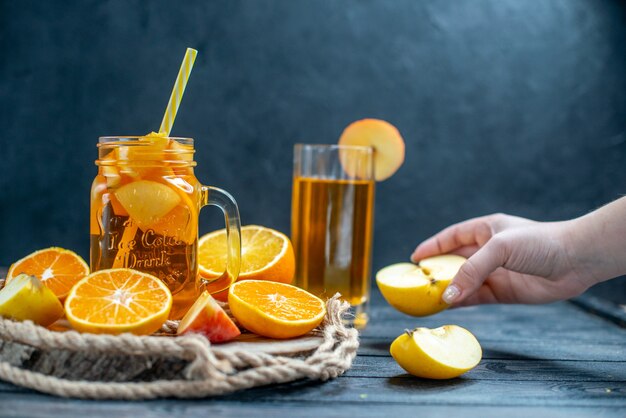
384,138
416,289
441,353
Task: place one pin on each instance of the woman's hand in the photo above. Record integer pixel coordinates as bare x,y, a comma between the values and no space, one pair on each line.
516,260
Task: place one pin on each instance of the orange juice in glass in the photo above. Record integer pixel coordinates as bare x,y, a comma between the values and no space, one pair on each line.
145,201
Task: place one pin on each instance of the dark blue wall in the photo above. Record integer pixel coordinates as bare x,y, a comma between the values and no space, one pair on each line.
505,105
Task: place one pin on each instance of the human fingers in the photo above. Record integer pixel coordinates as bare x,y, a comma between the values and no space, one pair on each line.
475,270
475,231
467,251
484,295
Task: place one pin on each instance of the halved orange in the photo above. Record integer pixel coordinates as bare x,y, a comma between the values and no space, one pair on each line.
275,310
118,300
59,269
266,254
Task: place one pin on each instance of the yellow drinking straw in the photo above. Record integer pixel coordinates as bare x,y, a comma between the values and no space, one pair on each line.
121,258
177,91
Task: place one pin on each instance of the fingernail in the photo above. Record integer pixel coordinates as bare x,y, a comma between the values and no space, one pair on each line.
450,294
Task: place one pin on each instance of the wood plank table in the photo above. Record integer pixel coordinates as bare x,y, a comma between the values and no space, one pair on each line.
550,360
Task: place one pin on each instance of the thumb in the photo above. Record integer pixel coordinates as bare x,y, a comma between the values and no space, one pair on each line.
474,271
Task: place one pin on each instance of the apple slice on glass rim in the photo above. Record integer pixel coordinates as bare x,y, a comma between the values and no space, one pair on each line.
386,141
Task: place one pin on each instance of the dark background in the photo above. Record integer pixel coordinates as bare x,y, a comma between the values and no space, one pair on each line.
505,105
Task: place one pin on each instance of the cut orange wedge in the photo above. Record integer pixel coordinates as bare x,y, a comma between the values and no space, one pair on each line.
266,254
275,310
59,269
118,300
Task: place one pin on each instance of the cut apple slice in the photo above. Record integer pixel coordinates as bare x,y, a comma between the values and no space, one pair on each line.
27,298
416,289
147,201
384,138
442,267
441,353
207,317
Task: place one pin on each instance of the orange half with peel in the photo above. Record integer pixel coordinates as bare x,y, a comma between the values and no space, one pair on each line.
275,310
59,269
115,301
266,254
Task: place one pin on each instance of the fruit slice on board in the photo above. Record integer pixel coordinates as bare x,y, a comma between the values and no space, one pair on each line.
266,254
384,138
416,289
147,201
118,300
59,269
275,310
441,353
207,317
26,298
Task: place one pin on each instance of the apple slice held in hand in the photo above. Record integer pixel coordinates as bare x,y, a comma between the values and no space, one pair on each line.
416,289
384,138
441,353
206,317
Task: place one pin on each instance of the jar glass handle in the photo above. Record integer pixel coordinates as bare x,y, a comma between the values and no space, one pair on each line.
223,200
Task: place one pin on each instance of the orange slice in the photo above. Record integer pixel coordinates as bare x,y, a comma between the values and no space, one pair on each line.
59,269
275,310
118,300
266,254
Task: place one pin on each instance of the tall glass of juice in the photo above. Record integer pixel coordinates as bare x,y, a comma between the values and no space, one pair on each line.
332,218
145,201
